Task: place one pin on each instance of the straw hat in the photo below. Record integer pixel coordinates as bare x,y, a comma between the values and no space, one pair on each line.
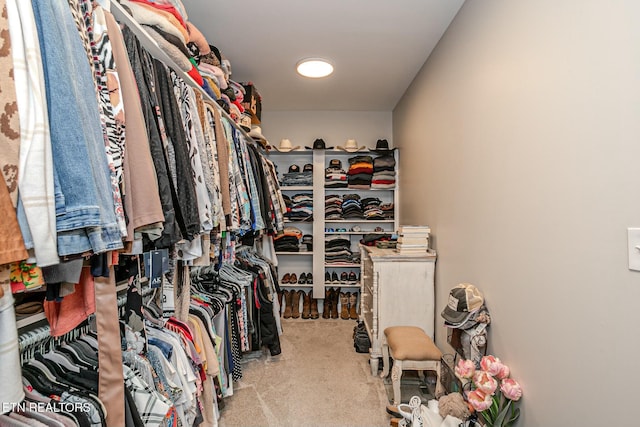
286,146
351,146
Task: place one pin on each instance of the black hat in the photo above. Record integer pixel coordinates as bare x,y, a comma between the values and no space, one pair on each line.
335,163
382,145
294,168
307,168
319,144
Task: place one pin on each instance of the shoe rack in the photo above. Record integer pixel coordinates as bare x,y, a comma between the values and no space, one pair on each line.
340,275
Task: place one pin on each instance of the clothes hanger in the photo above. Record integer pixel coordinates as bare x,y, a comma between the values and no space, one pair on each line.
40,381
74,357
90,339
86,351
62,360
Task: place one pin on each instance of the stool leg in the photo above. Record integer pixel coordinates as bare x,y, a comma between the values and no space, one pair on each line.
396,377
385,360
439,388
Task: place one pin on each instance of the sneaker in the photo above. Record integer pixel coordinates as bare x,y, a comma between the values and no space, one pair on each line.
309,279
344,277
334,277
303,279
352,278
327,277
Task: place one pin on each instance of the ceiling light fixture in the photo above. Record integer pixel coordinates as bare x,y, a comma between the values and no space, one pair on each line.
314,68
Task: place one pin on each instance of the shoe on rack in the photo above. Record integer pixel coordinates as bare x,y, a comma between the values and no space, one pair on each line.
352,278
306,305
287,304
293,279
327,277
326,304
344,278
334,303
285,278
344,305
295,304
303,279
334,278
309,279
353,303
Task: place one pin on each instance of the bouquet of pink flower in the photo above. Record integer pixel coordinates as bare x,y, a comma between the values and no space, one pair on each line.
493,394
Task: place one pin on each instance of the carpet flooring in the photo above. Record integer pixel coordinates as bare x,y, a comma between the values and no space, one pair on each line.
318,380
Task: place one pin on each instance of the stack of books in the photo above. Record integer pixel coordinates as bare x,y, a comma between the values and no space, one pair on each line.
413,239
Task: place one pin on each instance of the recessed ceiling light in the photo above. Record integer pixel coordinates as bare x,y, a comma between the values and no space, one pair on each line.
314,68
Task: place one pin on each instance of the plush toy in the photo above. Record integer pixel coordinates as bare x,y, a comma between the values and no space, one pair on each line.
453,404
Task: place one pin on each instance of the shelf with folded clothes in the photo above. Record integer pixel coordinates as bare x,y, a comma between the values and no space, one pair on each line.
339,265
357,190
352,206
302,221
357,232
360,171
294,253
357,220
30,320
296,187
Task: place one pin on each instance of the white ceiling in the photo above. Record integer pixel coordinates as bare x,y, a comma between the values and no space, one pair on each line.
377,47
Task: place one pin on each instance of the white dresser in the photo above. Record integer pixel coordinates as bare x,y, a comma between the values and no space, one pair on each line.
396,290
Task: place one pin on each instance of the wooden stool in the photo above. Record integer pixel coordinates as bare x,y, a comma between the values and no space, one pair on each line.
411,349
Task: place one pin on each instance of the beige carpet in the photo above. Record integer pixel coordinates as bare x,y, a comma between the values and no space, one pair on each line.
318,380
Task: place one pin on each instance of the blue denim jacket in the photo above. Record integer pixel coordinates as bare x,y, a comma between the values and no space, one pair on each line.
85,215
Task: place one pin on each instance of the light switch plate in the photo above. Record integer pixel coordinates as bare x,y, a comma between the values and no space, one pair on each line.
633,239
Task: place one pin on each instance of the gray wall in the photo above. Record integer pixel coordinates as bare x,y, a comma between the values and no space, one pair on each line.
520,147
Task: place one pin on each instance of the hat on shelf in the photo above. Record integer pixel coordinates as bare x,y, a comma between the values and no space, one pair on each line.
245,121
351,146
319,144
256,134
382,146
308,168
335,163
464,299
294,169
286,146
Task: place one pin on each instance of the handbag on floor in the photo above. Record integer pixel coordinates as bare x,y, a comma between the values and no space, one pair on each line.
361,341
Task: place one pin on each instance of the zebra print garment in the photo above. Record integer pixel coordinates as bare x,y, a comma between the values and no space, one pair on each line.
185,99
92,29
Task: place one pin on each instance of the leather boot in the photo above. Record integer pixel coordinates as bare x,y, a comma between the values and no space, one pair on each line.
295,304
334,303
344,305
287,304
314,306
306,305
326,305
353,302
